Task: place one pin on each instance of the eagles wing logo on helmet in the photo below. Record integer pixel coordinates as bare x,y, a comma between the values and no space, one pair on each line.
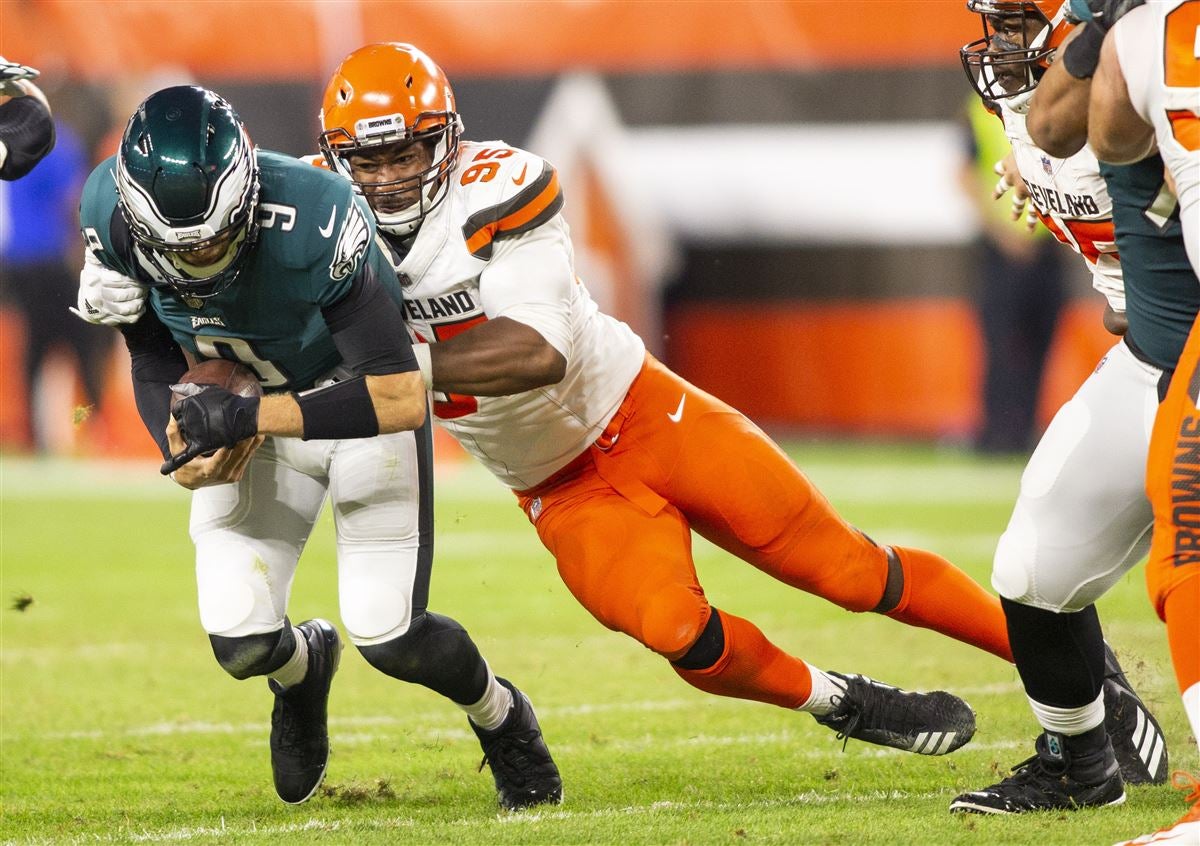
351,244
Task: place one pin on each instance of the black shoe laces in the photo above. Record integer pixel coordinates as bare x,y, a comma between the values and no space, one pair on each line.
515,754
855,710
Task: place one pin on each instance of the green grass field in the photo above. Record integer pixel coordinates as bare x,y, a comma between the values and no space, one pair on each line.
118,726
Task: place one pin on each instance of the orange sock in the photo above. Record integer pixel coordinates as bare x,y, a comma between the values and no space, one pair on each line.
1181,610
939,596
751,667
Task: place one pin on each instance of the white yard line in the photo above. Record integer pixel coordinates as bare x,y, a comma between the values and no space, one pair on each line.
438,717
223,831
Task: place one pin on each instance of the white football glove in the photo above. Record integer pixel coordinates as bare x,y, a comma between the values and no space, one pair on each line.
106,297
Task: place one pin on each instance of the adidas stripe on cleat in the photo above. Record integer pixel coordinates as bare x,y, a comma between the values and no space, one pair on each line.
926,723
1137,739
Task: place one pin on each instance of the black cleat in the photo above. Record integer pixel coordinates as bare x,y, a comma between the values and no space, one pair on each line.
522,768
926,723
299,723
1055,779
1137,739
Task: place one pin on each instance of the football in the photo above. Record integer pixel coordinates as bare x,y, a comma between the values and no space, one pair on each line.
230,375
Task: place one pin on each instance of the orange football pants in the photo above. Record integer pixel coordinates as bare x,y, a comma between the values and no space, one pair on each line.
618,521
1173,485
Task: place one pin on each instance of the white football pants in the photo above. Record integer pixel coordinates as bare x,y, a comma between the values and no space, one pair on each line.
1082,519
249,535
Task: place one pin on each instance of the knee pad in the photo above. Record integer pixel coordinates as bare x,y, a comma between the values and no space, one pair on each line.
669,621
1068,586
381,588
238,593
435,652
254,655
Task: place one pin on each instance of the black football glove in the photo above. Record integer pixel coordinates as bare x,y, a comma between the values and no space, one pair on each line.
1103,13
1082,55
210,418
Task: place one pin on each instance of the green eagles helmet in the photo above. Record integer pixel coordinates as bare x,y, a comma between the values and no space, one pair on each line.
187,182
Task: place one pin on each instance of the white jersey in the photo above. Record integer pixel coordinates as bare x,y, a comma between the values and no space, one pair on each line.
1158,48
498,246
1071,199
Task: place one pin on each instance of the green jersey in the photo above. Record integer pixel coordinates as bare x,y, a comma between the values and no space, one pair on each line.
315,234
1161,292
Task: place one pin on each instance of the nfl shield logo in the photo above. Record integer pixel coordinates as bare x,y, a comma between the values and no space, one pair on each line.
1046,166
535,509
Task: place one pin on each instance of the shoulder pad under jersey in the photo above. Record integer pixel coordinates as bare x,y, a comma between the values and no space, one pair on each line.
97,212
506,191
312,218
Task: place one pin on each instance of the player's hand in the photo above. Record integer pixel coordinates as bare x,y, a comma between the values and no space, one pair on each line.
11,76
1010,179
106,297
209,418
1101,13
224,466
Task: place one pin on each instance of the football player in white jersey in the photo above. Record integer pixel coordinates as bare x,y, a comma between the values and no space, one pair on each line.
1146,94
614,458
1081,520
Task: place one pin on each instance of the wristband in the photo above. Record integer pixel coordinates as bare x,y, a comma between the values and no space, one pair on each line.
1082,53
342,410
425,363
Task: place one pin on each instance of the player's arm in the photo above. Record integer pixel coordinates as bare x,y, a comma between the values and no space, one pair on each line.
525,291
494,359
1116,132
1058,113
26,126
387,394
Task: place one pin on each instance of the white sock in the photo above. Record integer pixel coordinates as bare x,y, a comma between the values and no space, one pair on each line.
491,709
1191,707
824,688
293,672
1069,721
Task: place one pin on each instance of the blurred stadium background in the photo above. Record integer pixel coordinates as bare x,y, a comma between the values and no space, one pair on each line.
765,190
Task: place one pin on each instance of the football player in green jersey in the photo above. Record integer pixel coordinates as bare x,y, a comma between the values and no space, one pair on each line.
256,257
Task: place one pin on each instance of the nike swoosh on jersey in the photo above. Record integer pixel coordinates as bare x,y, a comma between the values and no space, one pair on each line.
327,229
520,180
678,415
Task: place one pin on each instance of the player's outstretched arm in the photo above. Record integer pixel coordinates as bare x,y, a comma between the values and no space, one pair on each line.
395,402
495,359
1116,132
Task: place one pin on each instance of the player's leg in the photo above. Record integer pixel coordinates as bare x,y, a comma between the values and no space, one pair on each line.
627,558
382,493
1173,484
1173,571
1081,521
248,539
741,491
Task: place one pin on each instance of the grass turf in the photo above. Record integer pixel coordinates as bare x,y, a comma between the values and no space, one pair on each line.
117,726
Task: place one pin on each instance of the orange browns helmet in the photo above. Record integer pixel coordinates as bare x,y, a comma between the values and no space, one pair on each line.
391,93
1020,38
